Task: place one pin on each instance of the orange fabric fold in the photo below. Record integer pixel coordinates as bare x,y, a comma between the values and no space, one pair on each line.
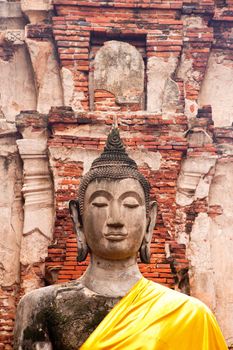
153,317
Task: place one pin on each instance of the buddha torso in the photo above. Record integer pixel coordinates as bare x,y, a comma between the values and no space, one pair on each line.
60,317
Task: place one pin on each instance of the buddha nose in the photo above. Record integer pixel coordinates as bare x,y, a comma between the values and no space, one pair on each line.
115,218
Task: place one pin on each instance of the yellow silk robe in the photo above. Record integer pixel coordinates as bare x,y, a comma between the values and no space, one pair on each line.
153,317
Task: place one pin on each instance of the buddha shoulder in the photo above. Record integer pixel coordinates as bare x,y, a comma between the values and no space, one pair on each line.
42,300
37,307
54,314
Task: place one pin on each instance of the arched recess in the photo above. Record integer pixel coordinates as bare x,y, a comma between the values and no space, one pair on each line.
118,68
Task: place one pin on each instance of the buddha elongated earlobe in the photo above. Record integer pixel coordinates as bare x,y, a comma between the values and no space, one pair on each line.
145,252
82,251
77,221
145,246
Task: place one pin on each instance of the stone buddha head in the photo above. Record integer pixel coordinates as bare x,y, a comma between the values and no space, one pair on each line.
113,216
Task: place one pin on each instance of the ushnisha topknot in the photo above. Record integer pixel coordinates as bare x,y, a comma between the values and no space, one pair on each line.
113,164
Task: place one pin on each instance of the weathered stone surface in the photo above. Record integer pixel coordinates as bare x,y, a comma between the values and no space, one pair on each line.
11,211
221,242
194,59
34,245
186,73
10,10
217,88
194,179
143,157
119,69
17,88
170,97
72,97
159,73
47,74
200,256
210,249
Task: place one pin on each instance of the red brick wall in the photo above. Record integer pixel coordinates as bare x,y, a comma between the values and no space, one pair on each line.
7,312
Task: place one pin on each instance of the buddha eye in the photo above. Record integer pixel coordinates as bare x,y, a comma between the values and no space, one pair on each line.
100,202
130,203
99,205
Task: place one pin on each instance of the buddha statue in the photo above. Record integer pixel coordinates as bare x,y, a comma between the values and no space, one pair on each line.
112,306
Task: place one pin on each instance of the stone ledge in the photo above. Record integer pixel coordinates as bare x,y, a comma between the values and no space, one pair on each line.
38,31
155,4
36,5
224,133
10,10
32,119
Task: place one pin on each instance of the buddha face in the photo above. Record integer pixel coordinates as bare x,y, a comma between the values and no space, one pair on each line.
114,218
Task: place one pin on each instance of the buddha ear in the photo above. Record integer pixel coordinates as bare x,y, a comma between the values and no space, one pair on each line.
145,246
78,227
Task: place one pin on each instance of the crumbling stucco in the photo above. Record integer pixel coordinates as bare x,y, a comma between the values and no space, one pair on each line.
18,92
159,72
11,219
201,265
194,179
217,89
72,97
188,68
46,73
221,242
143,157
210,249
